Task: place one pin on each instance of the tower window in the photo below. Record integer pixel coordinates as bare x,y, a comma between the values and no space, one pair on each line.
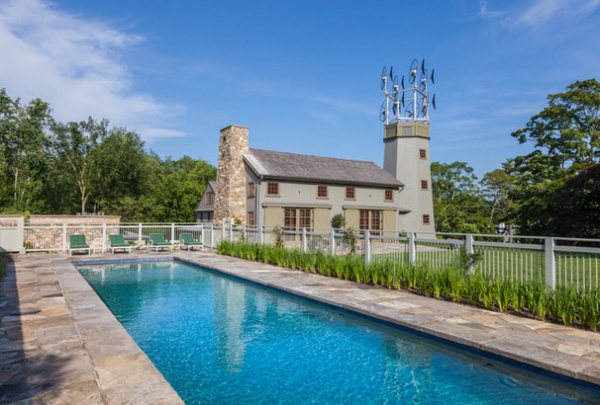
424,185
406,131
423,153
426,220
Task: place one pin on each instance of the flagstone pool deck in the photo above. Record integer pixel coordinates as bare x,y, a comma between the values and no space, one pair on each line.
59,343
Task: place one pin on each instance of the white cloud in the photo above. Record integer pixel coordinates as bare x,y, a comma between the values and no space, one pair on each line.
537,14
544,12
73,63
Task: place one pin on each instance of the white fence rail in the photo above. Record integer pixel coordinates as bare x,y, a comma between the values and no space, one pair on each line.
556,261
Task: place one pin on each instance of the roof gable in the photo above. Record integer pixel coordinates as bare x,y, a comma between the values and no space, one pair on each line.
293,166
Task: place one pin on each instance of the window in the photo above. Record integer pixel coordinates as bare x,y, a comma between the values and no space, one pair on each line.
375,221
423,153
304,218
426,220
251,190
289,218
295,219
389,195
322,191
364,220
406,131
350,193
210,197
424,185
250,220
272,188
371,220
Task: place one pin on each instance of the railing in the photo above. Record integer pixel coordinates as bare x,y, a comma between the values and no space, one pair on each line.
556,261
56,237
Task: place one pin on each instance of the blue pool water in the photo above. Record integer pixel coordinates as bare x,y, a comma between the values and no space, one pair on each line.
222,341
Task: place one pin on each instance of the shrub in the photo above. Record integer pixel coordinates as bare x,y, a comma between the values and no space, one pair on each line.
338,221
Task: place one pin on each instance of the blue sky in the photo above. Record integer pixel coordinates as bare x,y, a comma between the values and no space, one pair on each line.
303,75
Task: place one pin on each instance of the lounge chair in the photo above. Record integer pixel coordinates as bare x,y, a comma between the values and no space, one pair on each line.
77,242
187,240
157,241
117,242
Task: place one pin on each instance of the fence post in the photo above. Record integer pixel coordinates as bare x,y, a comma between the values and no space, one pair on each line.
261,236
140,234
212,235
367,247
244,233
64,237
550,262
304,241
172,232
469,250
230,229
202,233
412,248
103,237
332,242
469,244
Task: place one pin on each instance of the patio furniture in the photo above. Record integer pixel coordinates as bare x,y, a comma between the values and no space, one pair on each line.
118,242
187,240
78,242
157,241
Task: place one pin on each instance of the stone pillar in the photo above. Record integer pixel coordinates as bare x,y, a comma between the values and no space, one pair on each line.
230,201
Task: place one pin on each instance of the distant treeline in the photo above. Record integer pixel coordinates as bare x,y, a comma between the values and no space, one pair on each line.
49,167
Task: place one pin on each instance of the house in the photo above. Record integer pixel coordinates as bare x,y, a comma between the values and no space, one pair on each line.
205,210
268,188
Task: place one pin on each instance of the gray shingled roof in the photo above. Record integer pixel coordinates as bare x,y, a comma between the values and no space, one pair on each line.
292,166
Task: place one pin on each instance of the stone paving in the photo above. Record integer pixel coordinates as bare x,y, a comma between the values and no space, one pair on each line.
59,343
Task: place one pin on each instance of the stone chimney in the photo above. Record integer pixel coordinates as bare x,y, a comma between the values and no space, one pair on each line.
230,201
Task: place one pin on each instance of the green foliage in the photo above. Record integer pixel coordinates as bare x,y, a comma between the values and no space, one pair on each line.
278,232
568,128
458,203
469,260
48,167
338,221
557,184
566,305
24,157
350,239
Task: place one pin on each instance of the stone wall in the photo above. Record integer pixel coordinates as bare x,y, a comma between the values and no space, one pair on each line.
73,219
230,201
51,231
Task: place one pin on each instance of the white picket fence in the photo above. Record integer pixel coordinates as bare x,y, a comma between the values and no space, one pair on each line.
557,261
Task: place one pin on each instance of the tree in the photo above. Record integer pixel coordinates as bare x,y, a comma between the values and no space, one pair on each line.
498,187
568,129
24,156
577,205
120,169
75,143
458,203
178,187
567,140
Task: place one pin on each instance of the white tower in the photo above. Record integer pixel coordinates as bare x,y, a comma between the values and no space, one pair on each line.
406,144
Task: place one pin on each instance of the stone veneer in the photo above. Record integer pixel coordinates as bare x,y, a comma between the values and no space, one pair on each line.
230,201
50,232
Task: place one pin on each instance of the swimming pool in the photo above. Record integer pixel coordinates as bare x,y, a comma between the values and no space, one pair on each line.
219,340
